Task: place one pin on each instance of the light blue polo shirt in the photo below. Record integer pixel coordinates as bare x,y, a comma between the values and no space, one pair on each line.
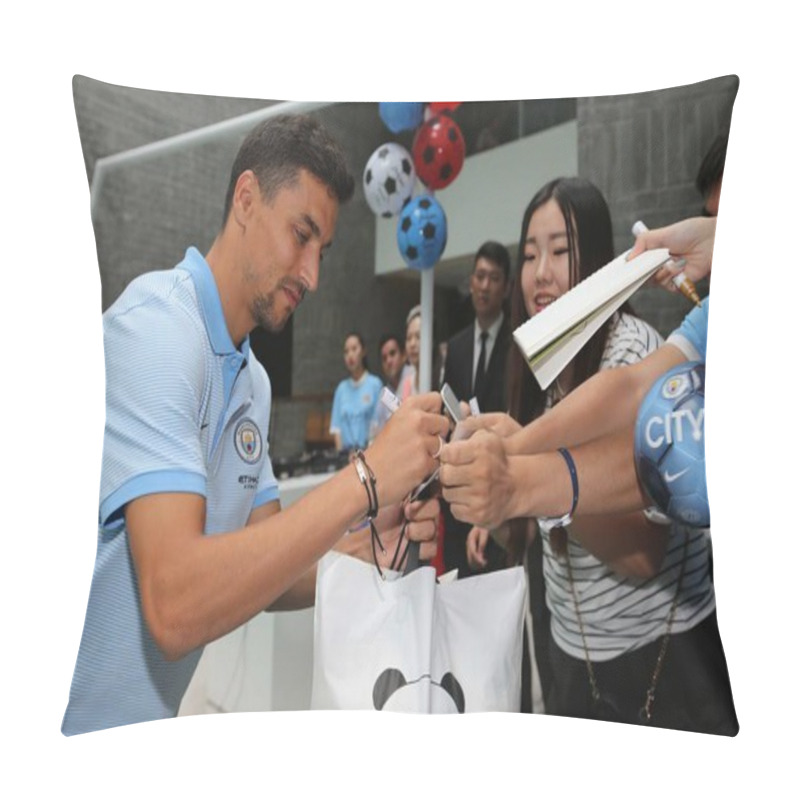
692,335
185,412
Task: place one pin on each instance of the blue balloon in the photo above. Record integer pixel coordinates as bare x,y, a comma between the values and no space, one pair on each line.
669,445
421,232
401,116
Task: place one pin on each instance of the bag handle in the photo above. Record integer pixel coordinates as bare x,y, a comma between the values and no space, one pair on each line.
410,554
413,561
423,492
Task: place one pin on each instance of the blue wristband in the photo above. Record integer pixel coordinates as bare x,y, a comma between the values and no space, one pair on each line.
548,523
573,473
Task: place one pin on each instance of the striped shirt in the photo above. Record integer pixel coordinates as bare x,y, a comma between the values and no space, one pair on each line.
186,411
622,614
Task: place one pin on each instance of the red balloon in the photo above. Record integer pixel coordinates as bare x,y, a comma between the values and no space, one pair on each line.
438,151
437,108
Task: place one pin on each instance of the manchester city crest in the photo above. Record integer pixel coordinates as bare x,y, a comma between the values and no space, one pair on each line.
675,387
247,439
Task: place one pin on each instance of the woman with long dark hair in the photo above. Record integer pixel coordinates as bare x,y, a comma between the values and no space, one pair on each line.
628,599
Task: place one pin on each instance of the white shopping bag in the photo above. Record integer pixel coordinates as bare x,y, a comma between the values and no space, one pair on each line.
408,643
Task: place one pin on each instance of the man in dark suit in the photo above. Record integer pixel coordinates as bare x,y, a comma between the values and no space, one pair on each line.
475,366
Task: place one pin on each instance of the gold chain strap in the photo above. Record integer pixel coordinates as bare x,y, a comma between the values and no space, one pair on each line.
646,711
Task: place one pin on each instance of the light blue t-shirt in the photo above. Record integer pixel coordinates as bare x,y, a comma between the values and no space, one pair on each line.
692,335
353,408
185,412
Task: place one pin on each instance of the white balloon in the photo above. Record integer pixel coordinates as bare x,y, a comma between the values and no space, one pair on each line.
389,179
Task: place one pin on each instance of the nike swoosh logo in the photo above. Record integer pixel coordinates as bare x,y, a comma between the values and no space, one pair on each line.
204,426
671,478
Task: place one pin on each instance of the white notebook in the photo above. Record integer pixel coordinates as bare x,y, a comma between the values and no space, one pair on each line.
552,338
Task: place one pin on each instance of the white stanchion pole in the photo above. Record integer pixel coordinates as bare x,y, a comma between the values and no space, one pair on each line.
426,330
426,320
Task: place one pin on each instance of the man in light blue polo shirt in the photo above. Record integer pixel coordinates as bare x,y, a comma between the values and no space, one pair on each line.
192,542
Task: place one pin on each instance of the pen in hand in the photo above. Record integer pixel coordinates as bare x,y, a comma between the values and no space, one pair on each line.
684,284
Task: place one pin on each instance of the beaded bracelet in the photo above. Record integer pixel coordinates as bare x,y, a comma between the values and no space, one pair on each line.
548,523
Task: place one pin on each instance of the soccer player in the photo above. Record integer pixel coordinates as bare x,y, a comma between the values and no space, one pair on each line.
192,541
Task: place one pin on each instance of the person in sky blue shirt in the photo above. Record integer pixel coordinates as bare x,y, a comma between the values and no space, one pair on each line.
355,399
192,541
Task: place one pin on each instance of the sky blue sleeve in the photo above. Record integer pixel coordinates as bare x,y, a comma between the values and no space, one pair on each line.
154,380
692,335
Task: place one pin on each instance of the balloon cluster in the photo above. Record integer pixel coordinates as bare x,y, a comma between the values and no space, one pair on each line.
391,173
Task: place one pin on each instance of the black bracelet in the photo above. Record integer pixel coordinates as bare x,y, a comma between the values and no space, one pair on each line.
368,480
548,523
573,473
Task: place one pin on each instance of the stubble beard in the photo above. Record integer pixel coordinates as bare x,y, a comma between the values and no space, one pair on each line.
265,313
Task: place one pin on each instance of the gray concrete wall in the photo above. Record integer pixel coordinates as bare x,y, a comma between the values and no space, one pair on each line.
149,212
643,151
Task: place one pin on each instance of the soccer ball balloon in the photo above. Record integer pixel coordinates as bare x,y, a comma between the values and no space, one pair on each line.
401,116
438,151
670,445
422,232
389,179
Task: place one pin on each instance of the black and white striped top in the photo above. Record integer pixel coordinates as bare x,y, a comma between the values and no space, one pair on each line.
622,614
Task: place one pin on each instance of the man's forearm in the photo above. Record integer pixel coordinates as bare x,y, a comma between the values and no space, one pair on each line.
358,543
605,404
195,588
300,595
628,544
607,481
600,406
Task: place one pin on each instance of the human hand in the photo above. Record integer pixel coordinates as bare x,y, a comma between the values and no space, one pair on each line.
404,453
501,424
477,539
422,525
476,479
690,239
665,276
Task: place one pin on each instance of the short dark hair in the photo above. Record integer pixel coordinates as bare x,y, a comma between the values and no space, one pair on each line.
712,165
497,254
279,147
391,337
